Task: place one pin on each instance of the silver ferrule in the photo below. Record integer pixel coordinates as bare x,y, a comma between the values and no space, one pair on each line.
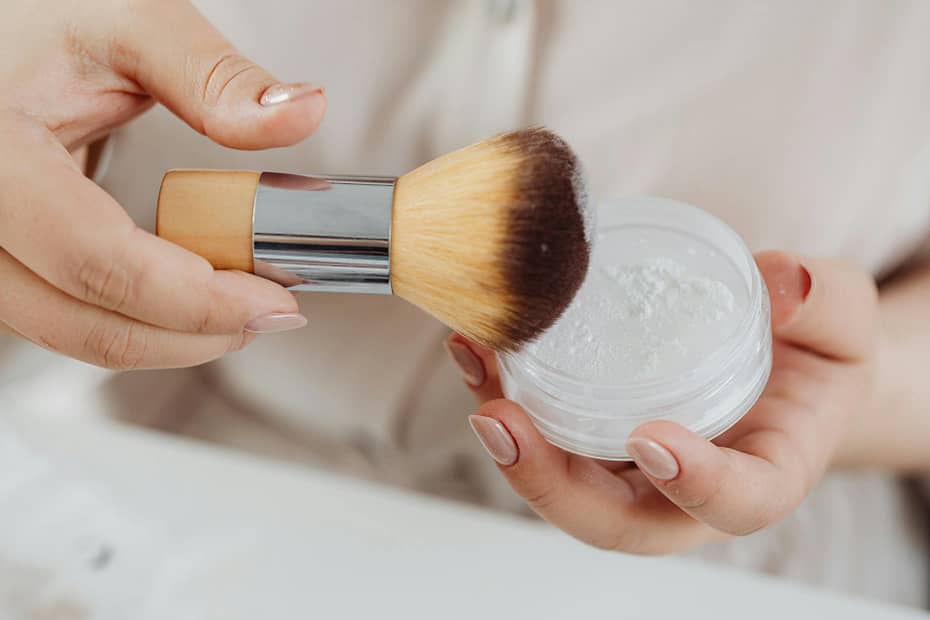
321,233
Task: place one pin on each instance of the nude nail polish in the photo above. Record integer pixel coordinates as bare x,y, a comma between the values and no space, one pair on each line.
274,323
470,364
283,93
807,282
653,458
495,439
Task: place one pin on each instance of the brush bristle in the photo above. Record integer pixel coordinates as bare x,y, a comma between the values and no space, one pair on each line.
491,239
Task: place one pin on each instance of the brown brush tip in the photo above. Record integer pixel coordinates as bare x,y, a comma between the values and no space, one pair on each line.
494,239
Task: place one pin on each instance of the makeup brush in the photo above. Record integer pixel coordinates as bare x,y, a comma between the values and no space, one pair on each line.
492,239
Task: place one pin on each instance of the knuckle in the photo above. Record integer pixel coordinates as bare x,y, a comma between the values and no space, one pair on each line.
104,282
752,523
117,348
692,497
694,501
203,322
540,497
213,313
624,540
224,70
238,342
47,342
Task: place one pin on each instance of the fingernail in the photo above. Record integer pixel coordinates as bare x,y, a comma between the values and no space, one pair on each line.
495,439
273,323
470,364
653,458
794,292
806,282
789,284
282,93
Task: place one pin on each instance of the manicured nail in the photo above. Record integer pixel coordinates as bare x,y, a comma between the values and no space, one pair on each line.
495,439
807,283
470,364
789,284
273,323
792,283
282,93
653,458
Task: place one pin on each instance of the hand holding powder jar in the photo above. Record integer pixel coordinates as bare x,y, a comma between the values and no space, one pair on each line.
672,323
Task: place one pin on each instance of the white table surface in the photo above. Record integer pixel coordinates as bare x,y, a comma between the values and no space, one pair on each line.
279,542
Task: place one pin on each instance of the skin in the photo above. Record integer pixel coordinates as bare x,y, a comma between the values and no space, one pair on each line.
891,431
79,277
813,414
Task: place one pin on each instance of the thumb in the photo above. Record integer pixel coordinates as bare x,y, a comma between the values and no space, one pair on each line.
178,57
823,305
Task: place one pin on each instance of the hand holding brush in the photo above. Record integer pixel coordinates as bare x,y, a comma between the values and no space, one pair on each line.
492,239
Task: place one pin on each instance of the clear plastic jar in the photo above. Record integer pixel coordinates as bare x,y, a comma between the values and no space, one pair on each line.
706,393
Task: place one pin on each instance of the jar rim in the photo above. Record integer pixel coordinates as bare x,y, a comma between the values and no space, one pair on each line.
708,396
695,377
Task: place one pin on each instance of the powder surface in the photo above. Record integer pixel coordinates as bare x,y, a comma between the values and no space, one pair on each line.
637,321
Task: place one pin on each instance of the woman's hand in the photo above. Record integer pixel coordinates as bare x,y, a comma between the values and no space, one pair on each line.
685,490
76,275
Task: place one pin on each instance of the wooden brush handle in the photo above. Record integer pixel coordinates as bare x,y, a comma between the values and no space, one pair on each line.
209,212
314,233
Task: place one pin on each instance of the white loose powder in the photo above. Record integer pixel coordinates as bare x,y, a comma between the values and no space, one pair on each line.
638,321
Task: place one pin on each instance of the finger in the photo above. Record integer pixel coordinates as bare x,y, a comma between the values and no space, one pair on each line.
76,237
478,366
577,494
731,490
177,56
40,312
823,305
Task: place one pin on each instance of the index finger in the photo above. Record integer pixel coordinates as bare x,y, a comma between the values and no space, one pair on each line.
75,236
578,494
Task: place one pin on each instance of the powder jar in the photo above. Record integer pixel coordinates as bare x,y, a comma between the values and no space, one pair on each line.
706,394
